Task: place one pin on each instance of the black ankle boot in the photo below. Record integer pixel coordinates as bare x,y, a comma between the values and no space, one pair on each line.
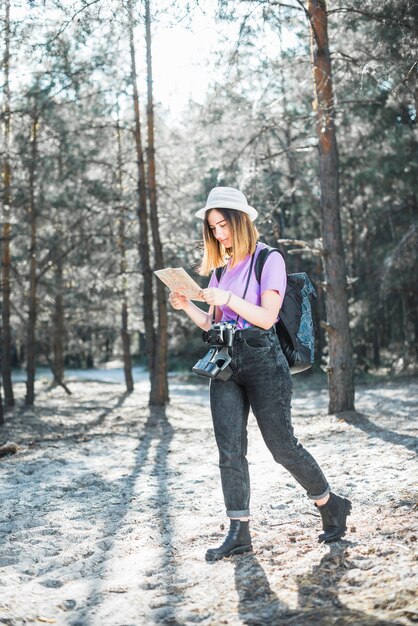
334,516
237,541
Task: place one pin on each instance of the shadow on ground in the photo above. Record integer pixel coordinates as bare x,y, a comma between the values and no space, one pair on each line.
318,601
157,430
361,421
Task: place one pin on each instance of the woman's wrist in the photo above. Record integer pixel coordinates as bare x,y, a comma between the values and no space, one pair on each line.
228,300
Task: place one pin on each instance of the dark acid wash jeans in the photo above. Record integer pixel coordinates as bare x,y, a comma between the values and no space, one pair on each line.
262,381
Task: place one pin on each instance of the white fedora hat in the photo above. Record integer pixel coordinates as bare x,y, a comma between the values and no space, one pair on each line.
227,198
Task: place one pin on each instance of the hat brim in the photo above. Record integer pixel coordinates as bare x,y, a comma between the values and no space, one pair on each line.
249,210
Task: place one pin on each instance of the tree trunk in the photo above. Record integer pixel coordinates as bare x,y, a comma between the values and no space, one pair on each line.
5,257
31,334
159,382
376,348
340,367
126,338
148,311
126,344
58,322
375,313
1,409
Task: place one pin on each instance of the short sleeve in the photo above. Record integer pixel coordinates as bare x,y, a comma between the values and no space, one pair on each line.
274,275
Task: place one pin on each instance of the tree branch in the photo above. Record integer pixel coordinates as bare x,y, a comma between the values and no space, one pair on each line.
280,4
68,22
314,248
373,16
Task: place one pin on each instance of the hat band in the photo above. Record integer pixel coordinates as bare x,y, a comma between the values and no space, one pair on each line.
227,205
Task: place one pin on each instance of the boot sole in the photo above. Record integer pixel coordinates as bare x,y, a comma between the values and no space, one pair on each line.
337,537
218,557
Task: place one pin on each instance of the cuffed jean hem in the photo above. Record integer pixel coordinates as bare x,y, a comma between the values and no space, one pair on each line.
242,513
322,495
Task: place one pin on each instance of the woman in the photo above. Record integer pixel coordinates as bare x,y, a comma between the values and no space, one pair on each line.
260,373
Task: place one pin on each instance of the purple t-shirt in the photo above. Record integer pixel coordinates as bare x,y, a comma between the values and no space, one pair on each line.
273,277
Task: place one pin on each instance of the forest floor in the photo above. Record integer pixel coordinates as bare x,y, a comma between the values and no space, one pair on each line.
107,509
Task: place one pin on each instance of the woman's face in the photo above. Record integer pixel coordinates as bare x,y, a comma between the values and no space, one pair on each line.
220,228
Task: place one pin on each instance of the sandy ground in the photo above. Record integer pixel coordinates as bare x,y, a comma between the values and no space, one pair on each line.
107,510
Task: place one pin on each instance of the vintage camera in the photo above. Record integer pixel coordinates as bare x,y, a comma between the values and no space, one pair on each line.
221,334
215,364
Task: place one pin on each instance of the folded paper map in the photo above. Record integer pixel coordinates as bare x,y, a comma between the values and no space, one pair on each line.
177,279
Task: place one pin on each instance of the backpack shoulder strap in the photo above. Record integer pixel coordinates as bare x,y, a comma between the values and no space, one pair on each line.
262,258
219,272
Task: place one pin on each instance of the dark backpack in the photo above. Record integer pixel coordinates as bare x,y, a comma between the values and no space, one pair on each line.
295,327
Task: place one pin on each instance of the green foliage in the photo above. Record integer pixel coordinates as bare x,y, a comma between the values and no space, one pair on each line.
255,130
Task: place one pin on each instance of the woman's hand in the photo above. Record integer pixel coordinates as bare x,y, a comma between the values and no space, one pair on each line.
215,296
177,300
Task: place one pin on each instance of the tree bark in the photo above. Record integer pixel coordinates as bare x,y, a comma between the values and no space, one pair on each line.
1,409
340,367
126,344
58,322
148,311
6,227
31,333
125,336
57,379
159,382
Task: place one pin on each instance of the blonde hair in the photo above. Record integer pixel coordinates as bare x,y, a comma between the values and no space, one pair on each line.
244,240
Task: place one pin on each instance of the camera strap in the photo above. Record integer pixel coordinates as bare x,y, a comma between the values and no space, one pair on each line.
246,286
